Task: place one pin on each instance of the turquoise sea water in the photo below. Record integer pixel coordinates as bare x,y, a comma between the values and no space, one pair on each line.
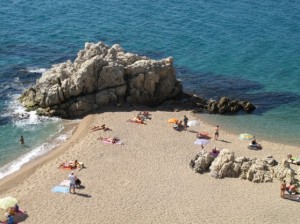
243,49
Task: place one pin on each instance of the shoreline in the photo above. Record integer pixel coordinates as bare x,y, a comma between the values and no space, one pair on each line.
154,160
27,169
30,167
238,130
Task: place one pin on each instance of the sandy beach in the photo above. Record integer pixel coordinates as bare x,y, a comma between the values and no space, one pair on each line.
147,179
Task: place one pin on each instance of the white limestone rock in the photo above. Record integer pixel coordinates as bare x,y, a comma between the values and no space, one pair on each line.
99,69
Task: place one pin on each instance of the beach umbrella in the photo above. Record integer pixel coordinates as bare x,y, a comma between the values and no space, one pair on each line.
201,141
193,123
173,120
245,136
8,202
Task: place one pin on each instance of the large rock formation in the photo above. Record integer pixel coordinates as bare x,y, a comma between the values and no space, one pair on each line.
201,162
100,76
199,105
284,172
252,169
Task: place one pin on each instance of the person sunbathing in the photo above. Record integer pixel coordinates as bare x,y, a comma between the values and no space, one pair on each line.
75,164
64,165
214,152
292,160
110,140
70,165
144,115
138,119
96,128
203,135
102,127
292,189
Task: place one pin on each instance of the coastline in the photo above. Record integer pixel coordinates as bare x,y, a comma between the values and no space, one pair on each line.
113,178
29,168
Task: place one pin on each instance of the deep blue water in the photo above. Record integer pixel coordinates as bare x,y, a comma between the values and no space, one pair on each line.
243,49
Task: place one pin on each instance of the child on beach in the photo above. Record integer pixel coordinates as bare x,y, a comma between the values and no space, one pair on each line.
282,188
214,152
217,132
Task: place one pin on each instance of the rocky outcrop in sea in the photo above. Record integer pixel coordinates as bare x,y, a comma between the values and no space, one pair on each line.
99,76
252,169
103,75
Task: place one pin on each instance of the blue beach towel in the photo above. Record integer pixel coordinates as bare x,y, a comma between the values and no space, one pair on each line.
60,189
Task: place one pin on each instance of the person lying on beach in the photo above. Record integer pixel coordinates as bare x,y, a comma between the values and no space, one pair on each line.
64,165
203,135
214,152
98,127
109,139
292,160
71,165
76,164
102,127
138,119
144,115
292,189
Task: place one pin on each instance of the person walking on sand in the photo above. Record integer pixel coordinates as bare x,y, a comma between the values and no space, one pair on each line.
217,132
282,189
185,121
21,140
72,179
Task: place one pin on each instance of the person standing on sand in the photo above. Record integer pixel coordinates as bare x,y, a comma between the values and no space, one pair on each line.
185,121
21,140
72,179
217,132
282,188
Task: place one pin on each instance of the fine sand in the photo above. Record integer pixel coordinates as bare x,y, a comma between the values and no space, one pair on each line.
148,179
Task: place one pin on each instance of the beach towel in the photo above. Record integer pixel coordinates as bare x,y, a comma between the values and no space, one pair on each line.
60,189
65,183
173,120
292,197
67,168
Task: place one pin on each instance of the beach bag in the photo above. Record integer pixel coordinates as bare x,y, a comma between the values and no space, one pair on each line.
77,182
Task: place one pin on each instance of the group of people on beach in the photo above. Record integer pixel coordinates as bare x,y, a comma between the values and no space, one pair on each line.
291,189
178,126
141,118
10,213
293,160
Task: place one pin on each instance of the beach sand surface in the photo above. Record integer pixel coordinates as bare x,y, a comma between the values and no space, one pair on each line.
147,179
